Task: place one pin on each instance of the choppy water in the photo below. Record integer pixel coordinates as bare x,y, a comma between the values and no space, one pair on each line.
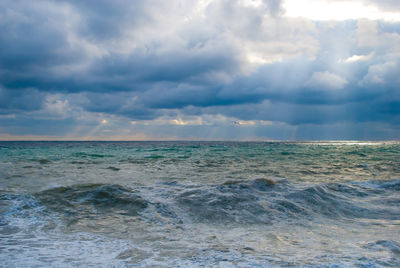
193,204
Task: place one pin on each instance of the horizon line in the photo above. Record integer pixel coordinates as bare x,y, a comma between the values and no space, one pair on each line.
201,140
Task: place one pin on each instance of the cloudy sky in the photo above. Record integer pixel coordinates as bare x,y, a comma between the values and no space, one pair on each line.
200,69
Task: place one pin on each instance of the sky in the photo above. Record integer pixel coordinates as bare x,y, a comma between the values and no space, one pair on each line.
200,70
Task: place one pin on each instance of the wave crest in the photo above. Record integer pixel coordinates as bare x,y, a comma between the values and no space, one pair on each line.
256,201
93,199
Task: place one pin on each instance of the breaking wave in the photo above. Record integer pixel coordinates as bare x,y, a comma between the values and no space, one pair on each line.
92,198
257,201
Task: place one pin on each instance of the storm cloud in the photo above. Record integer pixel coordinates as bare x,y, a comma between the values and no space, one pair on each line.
206,69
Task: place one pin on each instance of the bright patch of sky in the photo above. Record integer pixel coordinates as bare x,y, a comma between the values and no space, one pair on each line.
325,10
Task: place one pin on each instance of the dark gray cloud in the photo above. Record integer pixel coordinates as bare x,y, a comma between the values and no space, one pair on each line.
28,99
69,62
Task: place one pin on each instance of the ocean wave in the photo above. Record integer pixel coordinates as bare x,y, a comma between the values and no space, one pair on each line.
263,201
389,245
92,198
91,155
255,201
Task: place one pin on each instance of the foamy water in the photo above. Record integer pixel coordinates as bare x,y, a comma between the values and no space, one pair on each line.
192,204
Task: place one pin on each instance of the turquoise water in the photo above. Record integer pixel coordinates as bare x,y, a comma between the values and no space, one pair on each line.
207,204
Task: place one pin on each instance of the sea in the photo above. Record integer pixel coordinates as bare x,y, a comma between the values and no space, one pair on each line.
199,204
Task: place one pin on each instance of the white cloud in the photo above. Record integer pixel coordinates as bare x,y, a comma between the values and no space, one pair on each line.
326,81
56,107
367,33
378,73
356,58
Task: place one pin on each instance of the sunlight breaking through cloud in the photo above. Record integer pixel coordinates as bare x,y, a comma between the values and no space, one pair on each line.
241,68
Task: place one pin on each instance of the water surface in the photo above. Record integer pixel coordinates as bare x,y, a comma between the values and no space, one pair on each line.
191,204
